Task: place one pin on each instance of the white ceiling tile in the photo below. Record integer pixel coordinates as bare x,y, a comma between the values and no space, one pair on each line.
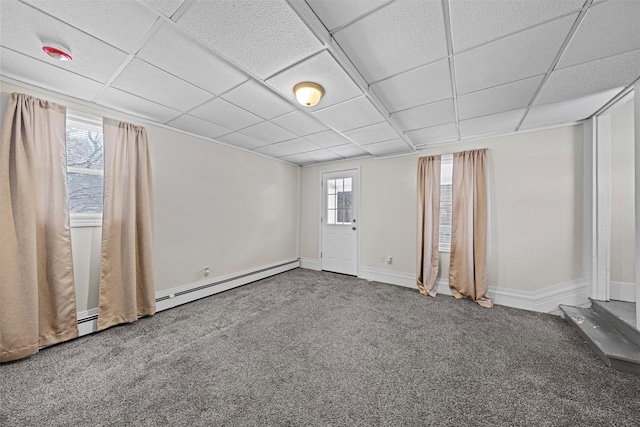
321,69
477,22
492,123
240,140
434,134
497,99
123,101
298,145
254,97
607,29
24,29
394,146
122,26
420,86
179,54
145,80
273,151
299,123
327,138
166,7
267,132
334,13
567,111
323,155
374,133
348,150
298,159
398,37
261,39
225,114
198,126
591,77
433,114
352,114
29,70
516,57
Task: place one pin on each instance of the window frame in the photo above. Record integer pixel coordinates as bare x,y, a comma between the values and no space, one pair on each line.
445,160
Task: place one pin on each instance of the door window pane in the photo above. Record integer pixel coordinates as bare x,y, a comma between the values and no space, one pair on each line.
339,193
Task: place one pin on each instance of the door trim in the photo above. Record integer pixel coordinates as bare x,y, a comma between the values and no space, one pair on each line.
357,211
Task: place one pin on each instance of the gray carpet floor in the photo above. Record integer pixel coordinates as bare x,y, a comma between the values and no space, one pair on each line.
312,348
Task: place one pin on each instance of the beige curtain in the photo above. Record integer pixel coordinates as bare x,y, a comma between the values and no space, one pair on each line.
37,293
127,289
428,223
470,231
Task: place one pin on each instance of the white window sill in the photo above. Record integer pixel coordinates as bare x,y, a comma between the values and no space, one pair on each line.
85,220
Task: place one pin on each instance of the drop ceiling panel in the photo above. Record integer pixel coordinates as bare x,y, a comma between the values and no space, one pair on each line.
261,39
198,126
123,101
177,53
298,145
498,99
24,29
240,140
420,86
348,150
477,22
166,7
374,133
433,114
387,147
591,77
267,132
144,80
433,134
327,139
254,97
225,114
273,151
122,26
299,123
321,69
38,73
492,123
607,29
298,159
323,155
516,57
567,111
334,13
352,114
396,38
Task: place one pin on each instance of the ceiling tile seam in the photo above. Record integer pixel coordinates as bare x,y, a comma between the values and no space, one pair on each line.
310,19
555,61
378,142
343,159
452,70
598,59
114,76
624,92
499,85
360,17
181,10
296,63
522,30
421,105
409,70
432,126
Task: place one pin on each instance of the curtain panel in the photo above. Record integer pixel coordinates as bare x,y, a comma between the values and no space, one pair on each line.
428,225
127,289
470,227
37,293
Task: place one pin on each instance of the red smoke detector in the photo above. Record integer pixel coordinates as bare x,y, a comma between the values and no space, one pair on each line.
56,53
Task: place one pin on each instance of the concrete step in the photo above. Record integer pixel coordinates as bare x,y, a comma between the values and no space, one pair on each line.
621,315
614,348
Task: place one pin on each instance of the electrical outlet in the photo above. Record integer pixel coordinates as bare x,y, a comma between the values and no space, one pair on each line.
389,260
381,258
206,271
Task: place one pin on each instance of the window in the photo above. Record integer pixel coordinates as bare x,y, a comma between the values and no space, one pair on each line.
339,201
85,168
446,202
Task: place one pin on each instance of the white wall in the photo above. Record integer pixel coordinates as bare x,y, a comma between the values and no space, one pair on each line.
622,195
215,206
536,208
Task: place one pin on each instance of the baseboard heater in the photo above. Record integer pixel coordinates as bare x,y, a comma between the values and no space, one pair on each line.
209,285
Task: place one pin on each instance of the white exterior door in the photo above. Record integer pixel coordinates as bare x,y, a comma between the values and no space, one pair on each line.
339,222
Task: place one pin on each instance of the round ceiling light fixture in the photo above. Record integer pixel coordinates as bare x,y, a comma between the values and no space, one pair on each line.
308,93
57,52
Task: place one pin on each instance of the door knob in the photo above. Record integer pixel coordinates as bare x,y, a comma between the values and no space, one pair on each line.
353,228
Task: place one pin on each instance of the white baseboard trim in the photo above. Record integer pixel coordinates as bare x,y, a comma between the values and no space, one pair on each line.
623,291
310,263
166,299
574,292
